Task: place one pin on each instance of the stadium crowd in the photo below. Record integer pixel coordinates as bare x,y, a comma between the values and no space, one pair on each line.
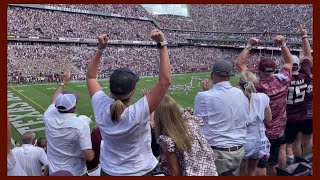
260,127
214,17
35,22
47,23
250,136
26,60
127,10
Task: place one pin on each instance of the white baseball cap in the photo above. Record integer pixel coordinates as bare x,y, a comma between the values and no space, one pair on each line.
66,100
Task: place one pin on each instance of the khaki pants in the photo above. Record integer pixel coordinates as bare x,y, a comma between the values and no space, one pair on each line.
228,163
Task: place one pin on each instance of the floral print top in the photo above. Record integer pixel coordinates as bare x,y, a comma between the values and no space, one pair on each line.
199,161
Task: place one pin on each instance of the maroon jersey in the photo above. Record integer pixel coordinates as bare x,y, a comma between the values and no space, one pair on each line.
297,95
277,91
96,141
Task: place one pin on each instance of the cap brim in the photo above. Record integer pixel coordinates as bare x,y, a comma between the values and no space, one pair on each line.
136,77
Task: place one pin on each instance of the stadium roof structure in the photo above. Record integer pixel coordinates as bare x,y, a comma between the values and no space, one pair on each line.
167,9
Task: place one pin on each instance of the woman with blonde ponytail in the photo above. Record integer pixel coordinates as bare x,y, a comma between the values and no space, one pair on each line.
125,127
257,145
182,142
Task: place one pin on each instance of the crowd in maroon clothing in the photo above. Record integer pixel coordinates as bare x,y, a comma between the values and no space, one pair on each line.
35,22
50,59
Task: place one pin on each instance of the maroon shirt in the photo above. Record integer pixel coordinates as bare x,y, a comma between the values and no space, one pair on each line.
277,91
96,141
297,96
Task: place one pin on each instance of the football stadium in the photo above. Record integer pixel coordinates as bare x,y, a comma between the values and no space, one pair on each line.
159,89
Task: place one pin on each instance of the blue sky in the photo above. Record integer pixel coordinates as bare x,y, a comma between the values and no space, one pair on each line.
176,9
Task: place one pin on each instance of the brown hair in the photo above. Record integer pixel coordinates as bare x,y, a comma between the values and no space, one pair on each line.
119,106
168,121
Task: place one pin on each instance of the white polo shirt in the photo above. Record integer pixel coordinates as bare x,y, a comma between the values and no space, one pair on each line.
67,135
127,143
13,166
225,111
31,159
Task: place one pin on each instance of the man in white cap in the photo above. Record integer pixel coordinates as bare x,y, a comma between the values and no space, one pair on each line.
68,136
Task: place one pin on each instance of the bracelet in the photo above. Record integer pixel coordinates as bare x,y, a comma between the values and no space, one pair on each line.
283,45
304,36
100,50
249,47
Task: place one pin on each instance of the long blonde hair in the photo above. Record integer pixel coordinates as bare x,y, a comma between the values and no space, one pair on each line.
247,83
119,106
168,121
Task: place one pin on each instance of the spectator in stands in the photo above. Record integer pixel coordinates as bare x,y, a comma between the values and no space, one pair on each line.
31,157
277,89
42,142
182,141
307,137
96,144
297,102
16,144
257,145
154,144
125,128
68,136
224,118
13,165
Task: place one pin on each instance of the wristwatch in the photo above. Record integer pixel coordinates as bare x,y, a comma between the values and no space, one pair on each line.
249,47
100,50
283,45
162,44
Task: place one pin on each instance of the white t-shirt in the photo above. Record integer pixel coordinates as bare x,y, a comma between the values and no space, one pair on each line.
67,135
127,143
257,144
31,158
13,166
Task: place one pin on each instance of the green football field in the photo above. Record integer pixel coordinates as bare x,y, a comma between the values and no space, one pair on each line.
27,102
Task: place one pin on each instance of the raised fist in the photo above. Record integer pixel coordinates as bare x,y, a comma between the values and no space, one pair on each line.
253,41
103,40
279,40
144,92
157,35
206,85
302,30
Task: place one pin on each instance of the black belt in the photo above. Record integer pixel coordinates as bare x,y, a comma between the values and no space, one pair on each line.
235,148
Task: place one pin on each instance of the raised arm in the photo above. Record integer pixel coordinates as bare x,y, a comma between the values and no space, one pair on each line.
156,94
92,83
306,49
65,77
8,135
280,41
242,59
173,161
